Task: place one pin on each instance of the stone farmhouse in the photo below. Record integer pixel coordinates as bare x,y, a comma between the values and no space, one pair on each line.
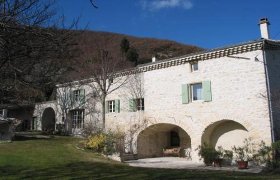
219,96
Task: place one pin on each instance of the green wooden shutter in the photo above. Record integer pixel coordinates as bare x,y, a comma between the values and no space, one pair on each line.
132,105
71,97
185,94
206,88
82,96
106,107
117,105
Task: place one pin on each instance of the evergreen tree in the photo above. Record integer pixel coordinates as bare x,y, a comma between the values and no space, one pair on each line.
132,55
124,46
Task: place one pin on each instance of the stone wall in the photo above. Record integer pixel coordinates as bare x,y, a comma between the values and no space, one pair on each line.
237,85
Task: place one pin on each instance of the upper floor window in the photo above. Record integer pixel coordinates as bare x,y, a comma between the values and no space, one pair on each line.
111,106
111,80
76,94
140,104
136,104
79,95
194,66
196,91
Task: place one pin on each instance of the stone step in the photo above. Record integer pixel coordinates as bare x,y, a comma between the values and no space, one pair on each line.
128,157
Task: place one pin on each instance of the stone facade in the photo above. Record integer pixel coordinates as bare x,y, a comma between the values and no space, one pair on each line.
237,104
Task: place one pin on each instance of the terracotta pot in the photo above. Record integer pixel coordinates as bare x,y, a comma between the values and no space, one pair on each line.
242,164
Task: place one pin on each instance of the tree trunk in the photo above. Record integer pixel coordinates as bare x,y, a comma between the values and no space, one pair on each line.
103,103
67,122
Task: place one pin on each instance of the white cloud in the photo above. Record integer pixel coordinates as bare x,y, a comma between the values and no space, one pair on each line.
155,5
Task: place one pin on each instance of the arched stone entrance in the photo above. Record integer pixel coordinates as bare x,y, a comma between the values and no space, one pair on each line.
48,120
152,140
225,133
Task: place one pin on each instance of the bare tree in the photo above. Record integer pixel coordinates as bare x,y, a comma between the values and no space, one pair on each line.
65,103
135,88
93,3
34,52
104,77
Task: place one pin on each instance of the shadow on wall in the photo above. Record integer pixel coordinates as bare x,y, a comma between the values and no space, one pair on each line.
225,133
152,140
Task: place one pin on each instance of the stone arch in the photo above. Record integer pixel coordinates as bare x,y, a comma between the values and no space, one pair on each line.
152,140
225,133
48,120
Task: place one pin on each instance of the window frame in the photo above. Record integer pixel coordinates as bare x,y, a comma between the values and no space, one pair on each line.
77,95
111,80
111,106
140,104
77,117
194,66
192,92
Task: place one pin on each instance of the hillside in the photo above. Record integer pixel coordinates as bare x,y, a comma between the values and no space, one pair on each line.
146,47
89,41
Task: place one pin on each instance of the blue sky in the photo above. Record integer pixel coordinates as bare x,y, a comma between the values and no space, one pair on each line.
205,23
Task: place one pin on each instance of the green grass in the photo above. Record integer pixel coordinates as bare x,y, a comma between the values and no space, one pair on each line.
57,158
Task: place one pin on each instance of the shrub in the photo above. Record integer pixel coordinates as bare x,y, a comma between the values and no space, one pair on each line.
264,154
276,155
90,129
105,142
261,153
96,142
246,151
227,154
208,153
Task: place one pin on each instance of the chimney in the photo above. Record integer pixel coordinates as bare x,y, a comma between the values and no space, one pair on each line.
264,23
154,59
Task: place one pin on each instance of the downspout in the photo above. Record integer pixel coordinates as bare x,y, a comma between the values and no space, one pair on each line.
268,94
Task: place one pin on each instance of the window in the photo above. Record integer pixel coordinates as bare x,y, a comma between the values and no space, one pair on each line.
140,104
136,104
194,66
79,95
77,119
111,80
76,94
196,91
111,106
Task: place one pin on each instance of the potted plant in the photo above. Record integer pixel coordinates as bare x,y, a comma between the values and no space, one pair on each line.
210,155
244,153
227,157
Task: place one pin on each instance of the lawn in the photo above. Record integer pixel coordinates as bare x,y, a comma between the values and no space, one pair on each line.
58,158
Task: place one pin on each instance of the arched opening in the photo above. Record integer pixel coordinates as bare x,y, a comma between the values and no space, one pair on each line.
152,140
225,133
48,120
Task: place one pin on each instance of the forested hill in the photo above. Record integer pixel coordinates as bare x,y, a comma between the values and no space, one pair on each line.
146,47
90,41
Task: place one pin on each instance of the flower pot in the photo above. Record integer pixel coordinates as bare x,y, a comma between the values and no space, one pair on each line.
242,164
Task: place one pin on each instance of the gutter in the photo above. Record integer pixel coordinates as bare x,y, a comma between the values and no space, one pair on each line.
268,94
